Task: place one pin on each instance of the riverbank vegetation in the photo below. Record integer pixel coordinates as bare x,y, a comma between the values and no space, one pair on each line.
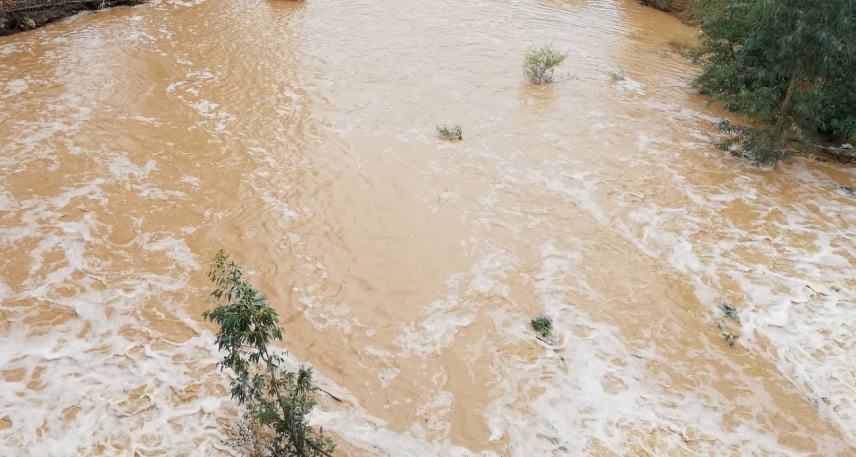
670,5
275,401
788,66
22,15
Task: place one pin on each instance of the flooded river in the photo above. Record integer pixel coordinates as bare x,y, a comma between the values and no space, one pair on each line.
299,136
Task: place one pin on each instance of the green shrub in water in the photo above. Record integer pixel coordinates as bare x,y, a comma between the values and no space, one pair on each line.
540,63
450,133
543,325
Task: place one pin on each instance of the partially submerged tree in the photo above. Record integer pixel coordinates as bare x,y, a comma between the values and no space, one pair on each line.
788,65
275,401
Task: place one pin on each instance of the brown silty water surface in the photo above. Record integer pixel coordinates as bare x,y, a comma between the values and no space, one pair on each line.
300,137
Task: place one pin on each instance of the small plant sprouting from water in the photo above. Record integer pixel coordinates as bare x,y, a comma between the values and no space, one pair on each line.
543,326
540,63
275,401
618,75
450,133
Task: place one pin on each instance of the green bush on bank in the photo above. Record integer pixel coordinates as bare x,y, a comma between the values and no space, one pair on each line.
450,132
787,65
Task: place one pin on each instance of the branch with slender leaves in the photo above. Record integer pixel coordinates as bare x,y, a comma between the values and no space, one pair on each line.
276,401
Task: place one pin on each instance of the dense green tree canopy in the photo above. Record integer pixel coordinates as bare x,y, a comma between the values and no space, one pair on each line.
788,65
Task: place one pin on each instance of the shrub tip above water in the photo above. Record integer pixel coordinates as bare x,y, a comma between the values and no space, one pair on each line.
542,325
450,133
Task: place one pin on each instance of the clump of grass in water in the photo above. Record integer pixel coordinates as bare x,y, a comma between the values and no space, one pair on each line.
543,325
729,311
729,330
618,75
450,133
540,63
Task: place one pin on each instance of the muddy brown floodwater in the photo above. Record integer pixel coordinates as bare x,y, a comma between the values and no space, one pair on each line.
135,142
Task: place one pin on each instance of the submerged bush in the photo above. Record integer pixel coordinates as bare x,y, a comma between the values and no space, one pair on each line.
729,326
540,63
450,133
275,400
543,325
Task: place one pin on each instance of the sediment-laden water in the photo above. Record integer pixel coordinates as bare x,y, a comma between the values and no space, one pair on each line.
135,142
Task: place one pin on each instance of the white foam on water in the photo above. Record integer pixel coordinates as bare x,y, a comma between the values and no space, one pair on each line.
146,120
595,387
121,168
7,202
15,87
174,248
809,319
189,91
192,181
84,367
442,319
592,388
373,436
677,248
130,394
10,48
385,376
280,206
184,3
37,139
805,311
320,312
204,107
812,346
630,85
5,291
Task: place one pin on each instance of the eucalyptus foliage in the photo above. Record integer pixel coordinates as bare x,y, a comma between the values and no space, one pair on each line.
788,65
540,63
276,401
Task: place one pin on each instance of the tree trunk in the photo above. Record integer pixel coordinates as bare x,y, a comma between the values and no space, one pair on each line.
785,110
